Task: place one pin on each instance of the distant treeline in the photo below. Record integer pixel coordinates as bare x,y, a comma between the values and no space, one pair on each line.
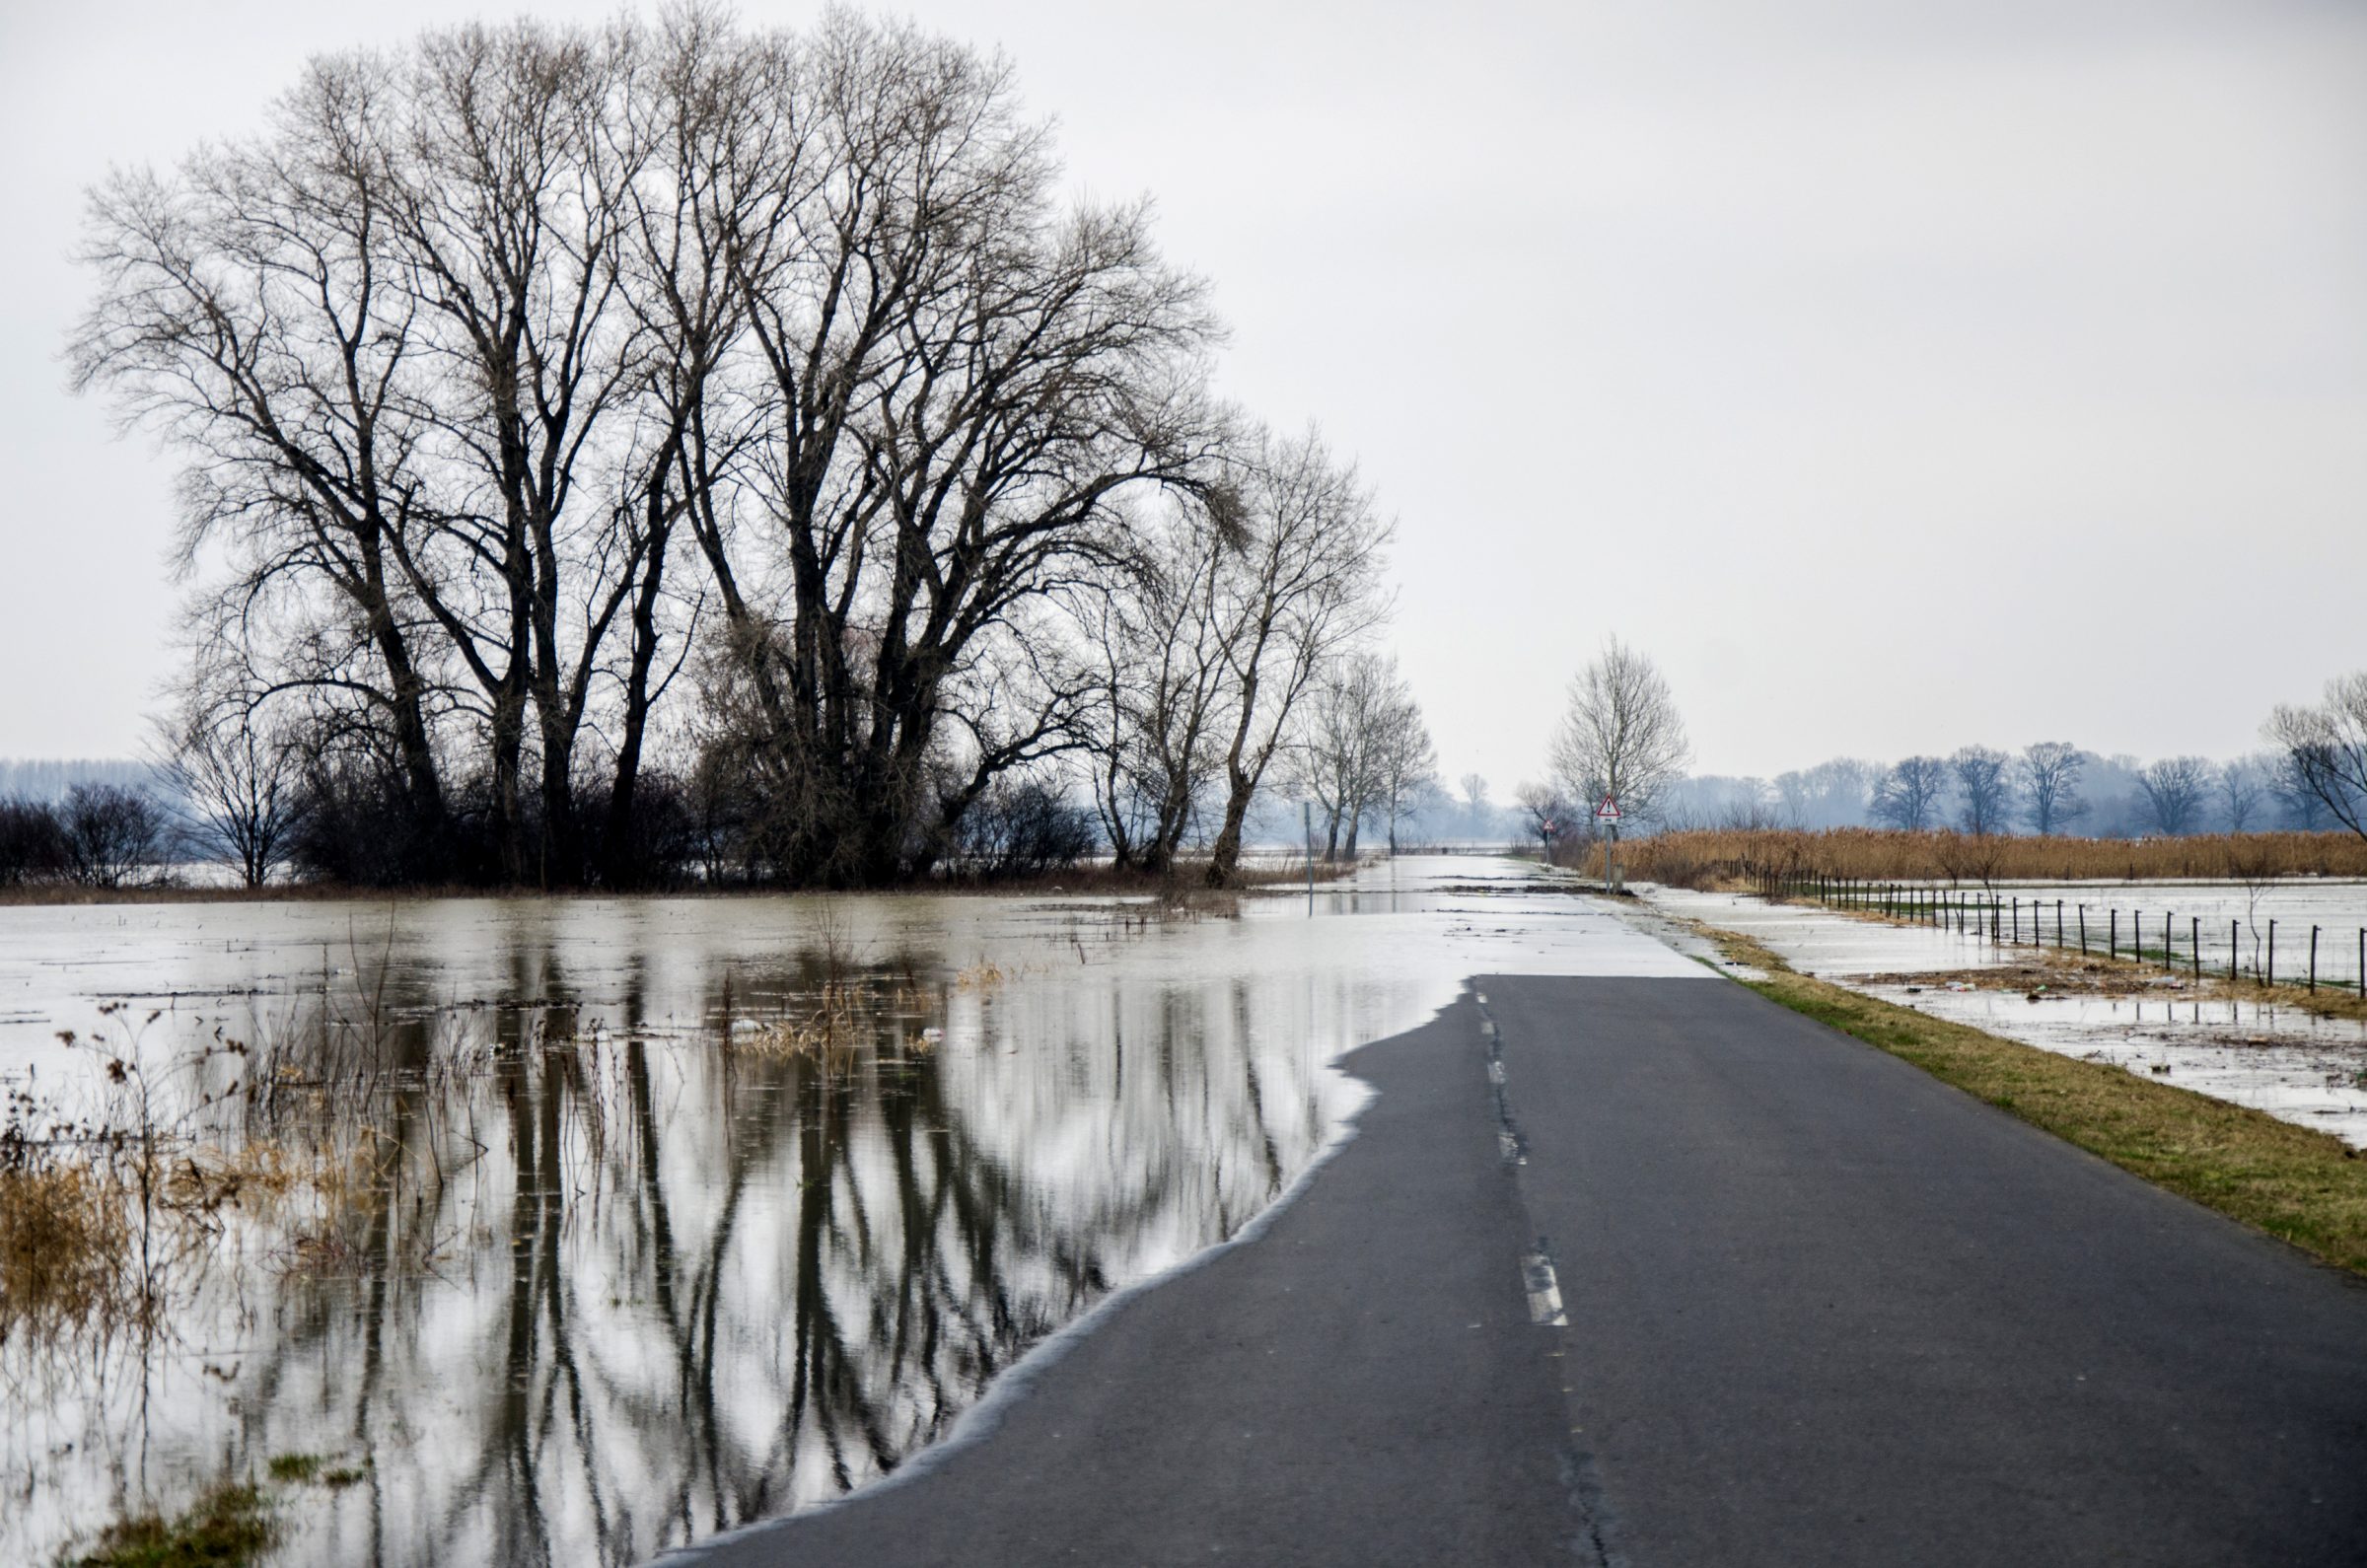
2051,788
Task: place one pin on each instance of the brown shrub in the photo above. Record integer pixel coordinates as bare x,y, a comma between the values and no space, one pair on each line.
63,1239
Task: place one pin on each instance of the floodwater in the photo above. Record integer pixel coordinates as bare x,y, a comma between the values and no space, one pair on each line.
2292,1064
657,1216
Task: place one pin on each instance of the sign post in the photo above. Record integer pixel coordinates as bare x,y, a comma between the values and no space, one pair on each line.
1307,847
1608,814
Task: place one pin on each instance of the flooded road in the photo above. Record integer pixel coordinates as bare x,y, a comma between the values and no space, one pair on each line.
571,1230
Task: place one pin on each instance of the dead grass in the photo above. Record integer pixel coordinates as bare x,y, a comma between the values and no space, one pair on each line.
64,1232
1711,857
2303,1186
2067,973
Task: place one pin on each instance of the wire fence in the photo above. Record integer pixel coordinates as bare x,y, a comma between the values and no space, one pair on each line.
2302,952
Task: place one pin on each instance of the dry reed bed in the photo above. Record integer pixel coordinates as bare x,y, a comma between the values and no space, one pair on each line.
1715,856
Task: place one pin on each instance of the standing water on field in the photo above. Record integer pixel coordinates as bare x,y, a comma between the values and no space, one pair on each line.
569,1230
2157,1018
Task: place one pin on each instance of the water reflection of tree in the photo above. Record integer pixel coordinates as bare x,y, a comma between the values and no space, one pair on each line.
735,1281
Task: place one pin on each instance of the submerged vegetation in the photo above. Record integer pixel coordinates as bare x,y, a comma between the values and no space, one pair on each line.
228,1527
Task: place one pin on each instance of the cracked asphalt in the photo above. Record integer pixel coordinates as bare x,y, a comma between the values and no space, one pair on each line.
1799,1304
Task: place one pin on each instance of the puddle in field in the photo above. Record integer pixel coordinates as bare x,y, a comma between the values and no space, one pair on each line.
2292,1064
598,1226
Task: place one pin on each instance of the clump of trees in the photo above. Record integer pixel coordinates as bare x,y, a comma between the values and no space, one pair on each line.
616,451
95,835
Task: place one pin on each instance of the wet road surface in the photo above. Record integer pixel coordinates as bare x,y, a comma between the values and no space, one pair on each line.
1655,1272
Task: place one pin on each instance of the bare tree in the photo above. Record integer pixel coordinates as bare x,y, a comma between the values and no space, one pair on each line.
1909,795
2297,802
1984,789
2175,788
1334,758
1621,735
1546,816
237,778
1474,801
960,384
109,834
2325,748
1299,589
247,311
1156,638
2048,773
2239,786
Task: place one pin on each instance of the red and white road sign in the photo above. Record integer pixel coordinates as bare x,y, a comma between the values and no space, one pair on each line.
1608,811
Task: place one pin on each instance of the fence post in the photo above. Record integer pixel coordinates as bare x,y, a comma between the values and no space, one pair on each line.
2083,930
2195,942
2112,936
2169,948
2058,925
2270,978
2313,958
2235,946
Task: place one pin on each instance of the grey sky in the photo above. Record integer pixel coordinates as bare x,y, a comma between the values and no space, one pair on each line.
1897,375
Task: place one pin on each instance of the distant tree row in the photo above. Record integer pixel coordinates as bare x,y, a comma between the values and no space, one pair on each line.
2312,777
683,450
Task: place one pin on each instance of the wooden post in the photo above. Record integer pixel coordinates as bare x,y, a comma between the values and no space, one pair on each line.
2235,945
2313,958
2169,948
2058,925
2111,938
2195,942
2083,930
2270,978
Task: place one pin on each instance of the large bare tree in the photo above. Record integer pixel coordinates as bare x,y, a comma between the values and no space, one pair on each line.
1984,789
2048,773
2324,752
1621,735
1909,793
1296,587
2175,789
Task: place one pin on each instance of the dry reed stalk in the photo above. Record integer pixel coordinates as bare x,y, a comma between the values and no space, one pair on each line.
1717,856
64,1235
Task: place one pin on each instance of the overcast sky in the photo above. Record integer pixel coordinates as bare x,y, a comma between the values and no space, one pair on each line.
1897,375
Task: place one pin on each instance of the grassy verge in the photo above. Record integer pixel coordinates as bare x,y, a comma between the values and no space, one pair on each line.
2305,1187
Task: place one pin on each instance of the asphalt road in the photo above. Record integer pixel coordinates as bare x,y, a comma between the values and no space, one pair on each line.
1819,1310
